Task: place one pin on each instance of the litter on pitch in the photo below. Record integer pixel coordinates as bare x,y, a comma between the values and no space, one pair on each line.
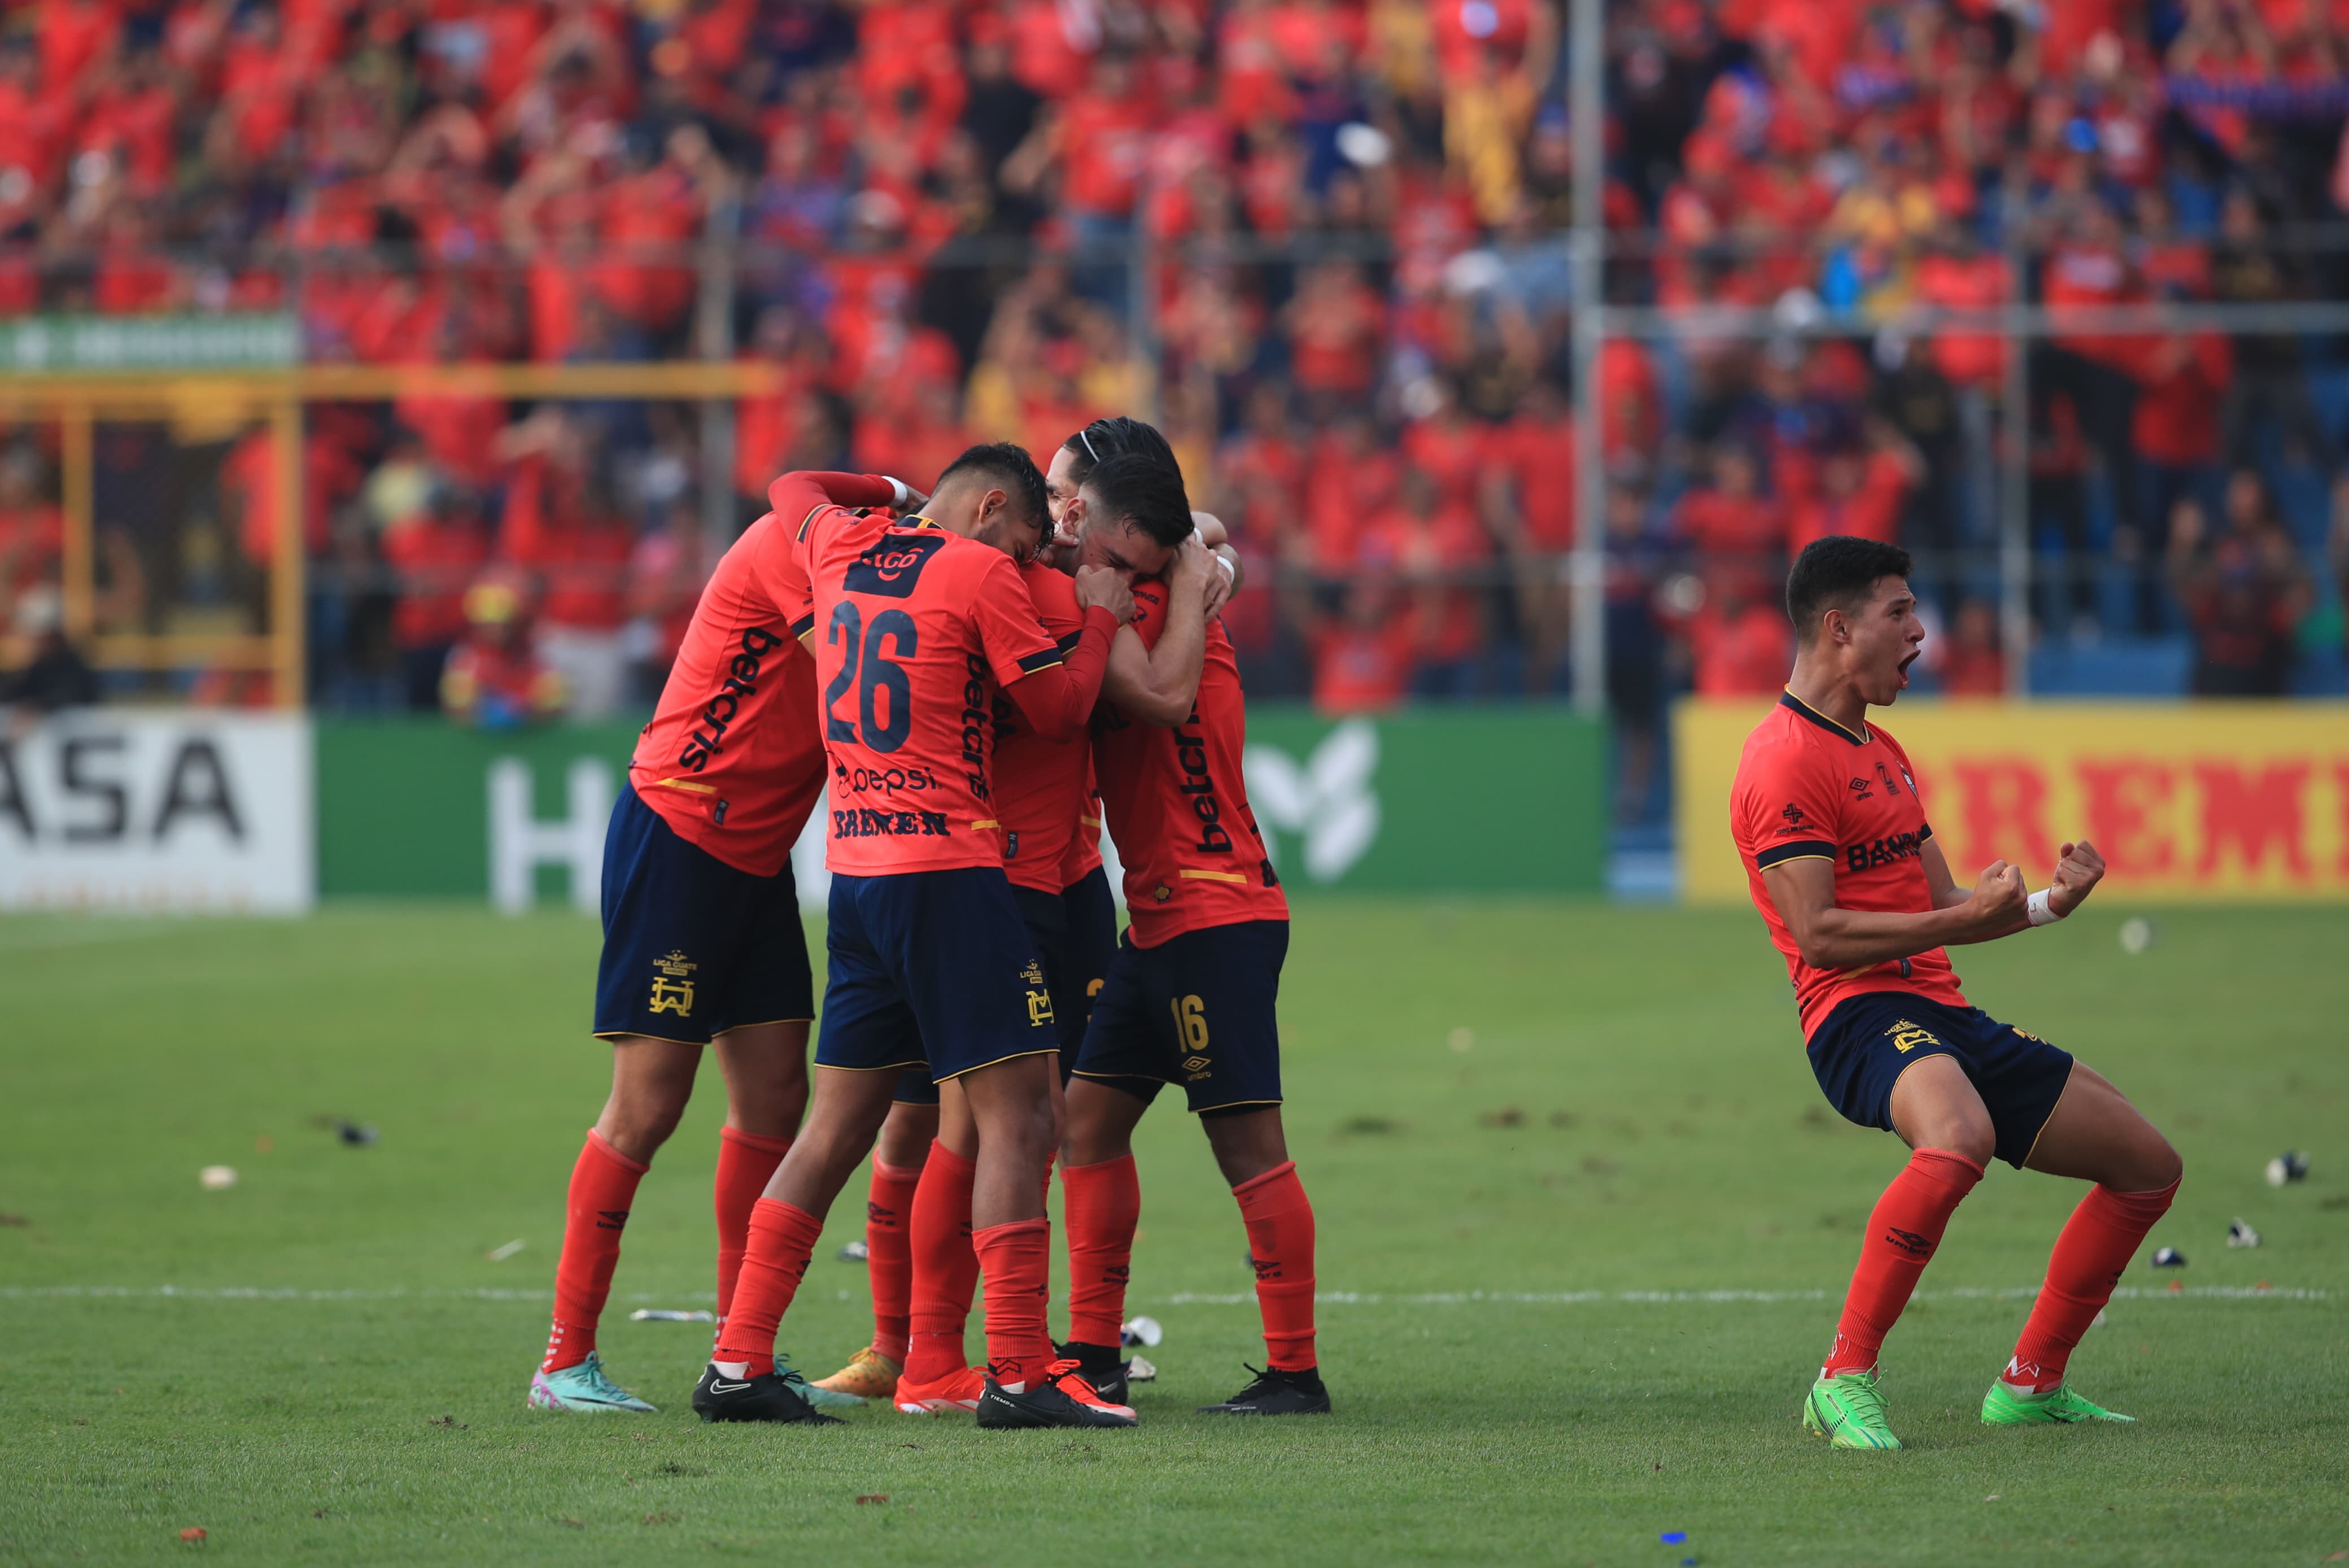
2240,1234
2288,1167
355,1134
1140,1331
854,1253
1138,1370
2137,934
499,1254
670,1315
2168,1258
1674,1537
216,1177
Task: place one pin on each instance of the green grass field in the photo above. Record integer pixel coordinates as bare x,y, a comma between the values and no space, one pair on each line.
1584,1224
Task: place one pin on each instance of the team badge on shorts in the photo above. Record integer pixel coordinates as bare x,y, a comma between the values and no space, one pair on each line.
1907,1036
672,984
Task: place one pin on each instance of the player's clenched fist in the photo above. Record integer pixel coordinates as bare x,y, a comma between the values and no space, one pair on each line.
1999,896
1108,588
2078,869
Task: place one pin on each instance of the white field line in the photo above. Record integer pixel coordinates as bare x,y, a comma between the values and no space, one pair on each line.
1184,1298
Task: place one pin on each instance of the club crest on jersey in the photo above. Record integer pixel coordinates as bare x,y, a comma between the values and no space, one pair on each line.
1907,1036
672,984
1039,1008
891,567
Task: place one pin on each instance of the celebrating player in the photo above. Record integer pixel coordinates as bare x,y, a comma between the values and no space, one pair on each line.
1857,895
918,626
1190,1000
702,937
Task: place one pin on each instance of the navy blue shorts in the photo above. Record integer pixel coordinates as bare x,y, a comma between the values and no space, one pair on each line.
1075,935
692,946
1197,1010
1868,1041
932,970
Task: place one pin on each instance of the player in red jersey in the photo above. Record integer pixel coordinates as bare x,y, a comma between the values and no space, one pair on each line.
1189,999
702,936
918,627
1857,893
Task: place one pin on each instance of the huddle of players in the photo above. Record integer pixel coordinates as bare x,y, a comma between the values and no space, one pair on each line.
974,674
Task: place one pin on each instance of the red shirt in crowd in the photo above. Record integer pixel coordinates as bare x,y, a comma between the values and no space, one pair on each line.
1741,652
581,557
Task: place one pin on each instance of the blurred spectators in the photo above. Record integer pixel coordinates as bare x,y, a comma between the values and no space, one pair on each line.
55,677
495,678
2244,589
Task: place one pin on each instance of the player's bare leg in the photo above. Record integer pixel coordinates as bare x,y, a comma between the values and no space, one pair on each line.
2095,1134
1252,1151
898,1156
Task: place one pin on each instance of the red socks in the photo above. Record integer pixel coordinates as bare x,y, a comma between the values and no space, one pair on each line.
1101,1205
944,1269
1903,1231
746,1163
782,1238
2097,1244
602,1185
1016,1259
1280,1245
887,1255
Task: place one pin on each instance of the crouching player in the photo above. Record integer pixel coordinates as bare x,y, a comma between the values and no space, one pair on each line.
1189,1000
1846,872
702,937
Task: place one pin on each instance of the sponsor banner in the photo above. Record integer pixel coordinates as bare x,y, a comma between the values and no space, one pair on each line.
158,812
247,342
1494,801
2189,801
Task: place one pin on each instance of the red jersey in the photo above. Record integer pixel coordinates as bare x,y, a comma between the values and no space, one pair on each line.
1040,783
1177,803
732,760
917,631
1809,789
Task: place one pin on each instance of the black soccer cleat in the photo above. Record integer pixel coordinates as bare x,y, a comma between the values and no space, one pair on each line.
1045,1402
766,1397
1100,1365
1275,1392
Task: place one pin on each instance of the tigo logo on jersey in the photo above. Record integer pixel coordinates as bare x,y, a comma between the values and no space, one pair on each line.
891,567
672,988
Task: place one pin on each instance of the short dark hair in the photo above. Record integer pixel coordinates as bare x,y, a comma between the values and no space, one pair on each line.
1139,490
1007,465
1115,436
1836,574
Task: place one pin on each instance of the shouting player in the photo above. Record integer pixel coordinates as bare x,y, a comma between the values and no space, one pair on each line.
1189,999
918,626
702,937
1857,895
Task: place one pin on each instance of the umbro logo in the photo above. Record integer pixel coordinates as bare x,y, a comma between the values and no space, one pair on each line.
1859,789
1908,1242
611,1219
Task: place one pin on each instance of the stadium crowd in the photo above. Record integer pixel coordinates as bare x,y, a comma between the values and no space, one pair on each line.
1323,236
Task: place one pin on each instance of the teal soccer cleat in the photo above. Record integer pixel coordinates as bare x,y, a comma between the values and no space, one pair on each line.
583,1389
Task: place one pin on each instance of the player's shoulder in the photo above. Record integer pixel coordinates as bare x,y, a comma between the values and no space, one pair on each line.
1053,590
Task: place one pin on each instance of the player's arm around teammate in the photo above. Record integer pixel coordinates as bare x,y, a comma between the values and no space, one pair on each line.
1862,902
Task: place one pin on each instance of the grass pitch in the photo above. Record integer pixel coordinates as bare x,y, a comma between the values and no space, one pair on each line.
1584,1224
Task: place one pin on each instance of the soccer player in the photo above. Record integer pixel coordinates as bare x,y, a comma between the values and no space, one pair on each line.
917,626
1041,796
702,936
1190,1000
1857,895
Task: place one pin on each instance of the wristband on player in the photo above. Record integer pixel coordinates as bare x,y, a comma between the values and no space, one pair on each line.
899,493
1231,572
2040,909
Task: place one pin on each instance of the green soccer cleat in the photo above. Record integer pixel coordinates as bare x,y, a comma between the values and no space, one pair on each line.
1848,1412
583,1389
2003,1406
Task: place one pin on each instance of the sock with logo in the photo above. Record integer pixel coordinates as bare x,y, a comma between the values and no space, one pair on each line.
602,1186
888,1264
1014,1259
746,1163
1101,1204
782,1238
1903,1231
944,1270
2095,1247
1280,1246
